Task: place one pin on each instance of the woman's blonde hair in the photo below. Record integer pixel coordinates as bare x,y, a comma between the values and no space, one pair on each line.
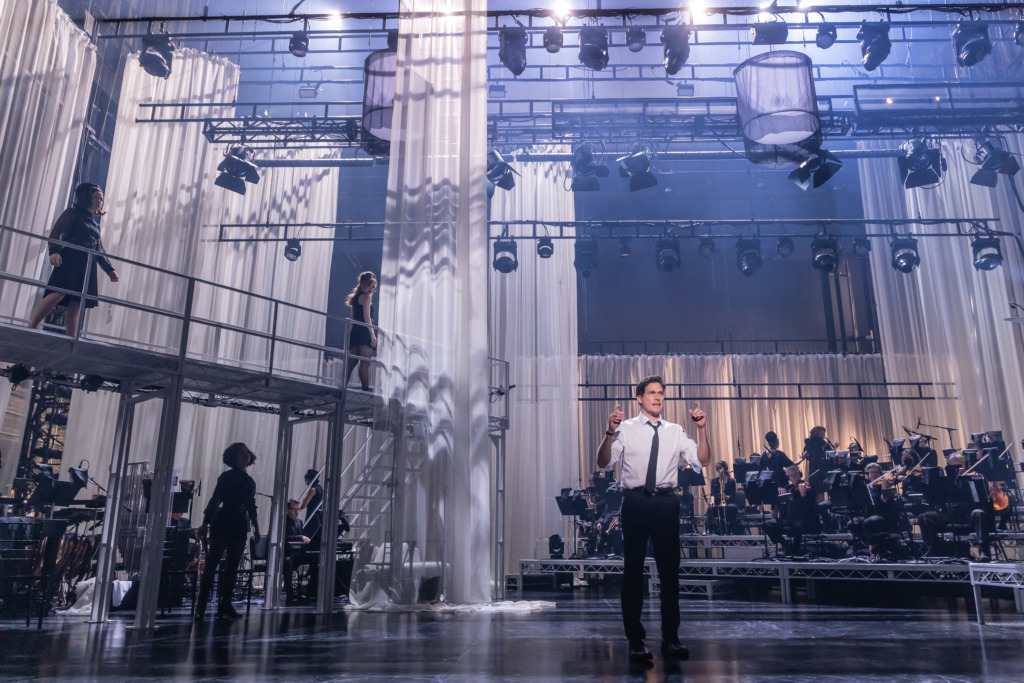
365,278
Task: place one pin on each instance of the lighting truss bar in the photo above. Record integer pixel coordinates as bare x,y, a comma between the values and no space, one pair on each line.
938,107
528,16
304,132
799,228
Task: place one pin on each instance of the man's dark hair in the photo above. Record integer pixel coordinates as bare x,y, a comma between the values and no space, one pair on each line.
772,439
232,452
641,388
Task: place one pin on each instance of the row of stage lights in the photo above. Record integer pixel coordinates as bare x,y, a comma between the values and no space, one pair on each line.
970,38
986,252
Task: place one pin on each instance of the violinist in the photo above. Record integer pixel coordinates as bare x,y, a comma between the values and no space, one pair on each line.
911,476
775,460
799,515
724,506
922,446
958,511
882,513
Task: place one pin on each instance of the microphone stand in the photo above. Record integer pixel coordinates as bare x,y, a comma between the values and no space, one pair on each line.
949,430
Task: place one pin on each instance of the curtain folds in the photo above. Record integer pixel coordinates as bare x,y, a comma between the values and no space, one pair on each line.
533,327
946,321
46,71
433,294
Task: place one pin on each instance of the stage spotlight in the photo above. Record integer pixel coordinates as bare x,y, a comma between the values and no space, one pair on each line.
1018,34
770,32
987,252
825,253
994,160
512,48
921,164
748,256
817,170
594,47
706,247
972,42
586,256
637,166
299,43
676,39
309,91
904,254
874,43
506,255
861,246
826,36
624,249
585,168
556,547
499,172
237,169
553,39
545,247
18,373
292,249
636,38
666,254
90,383
157,56
784,247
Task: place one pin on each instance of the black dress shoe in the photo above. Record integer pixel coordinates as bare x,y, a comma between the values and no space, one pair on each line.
639,653
675,649
227,612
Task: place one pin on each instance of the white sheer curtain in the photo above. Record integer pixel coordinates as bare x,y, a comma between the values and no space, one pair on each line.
167,212
945,321
534,328
433,298
46,70
737,427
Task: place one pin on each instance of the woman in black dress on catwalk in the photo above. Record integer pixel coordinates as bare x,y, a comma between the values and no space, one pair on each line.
80,226
362,340
227,516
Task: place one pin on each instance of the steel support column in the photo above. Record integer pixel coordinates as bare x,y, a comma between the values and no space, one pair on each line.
329,511
106,555
278,506
159,506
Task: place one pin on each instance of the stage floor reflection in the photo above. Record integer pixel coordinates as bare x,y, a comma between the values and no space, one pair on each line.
579,639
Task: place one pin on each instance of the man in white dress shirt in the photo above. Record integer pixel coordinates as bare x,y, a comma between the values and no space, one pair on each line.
650,451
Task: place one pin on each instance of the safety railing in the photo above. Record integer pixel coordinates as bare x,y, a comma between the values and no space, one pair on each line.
178,316
777,391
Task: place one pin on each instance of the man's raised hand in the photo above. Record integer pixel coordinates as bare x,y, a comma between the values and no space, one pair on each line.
698,416
616,418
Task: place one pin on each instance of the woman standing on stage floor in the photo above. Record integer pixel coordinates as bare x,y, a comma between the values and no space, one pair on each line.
315,494
80,226
815,446
228,514
362,340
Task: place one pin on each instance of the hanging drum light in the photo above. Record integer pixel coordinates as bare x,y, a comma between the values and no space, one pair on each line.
379,97
778,108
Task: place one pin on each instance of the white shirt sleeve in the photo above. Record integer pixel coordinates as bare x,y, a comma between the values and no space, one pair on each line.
688,450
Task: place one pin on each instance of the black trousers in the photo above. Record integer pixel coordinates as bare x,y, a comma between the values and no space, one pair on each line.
656,518
234,549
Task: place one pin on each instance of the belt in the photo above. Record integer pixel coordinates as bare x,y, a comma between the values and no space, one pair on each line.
663,491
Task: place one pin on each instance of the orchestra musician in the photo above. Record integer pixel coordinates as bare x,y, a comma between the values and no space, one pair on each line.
776,460
882,514
815,446
958,511
294,542
723,505
799,515
922,447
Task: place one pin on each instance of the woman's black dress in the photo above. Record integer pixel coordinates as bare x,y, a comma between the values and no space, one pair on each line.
360,334
80,227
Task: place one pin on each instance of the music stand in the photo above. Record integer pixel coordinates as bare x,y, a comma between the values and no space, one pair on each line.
42,495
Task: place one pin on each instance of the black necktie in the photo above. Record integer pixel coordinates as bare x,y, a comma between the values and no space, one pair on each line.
652,464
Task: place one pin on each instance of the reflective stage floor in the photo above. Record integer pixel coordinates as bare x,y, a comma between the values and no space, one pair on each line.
579,639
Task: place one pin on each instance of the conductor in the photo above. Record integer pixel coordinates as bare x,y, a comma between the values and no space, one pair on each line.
650,449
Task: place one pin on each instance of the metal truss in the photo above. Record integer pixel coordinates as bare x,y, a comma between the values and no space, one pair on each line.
528,230
778,391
